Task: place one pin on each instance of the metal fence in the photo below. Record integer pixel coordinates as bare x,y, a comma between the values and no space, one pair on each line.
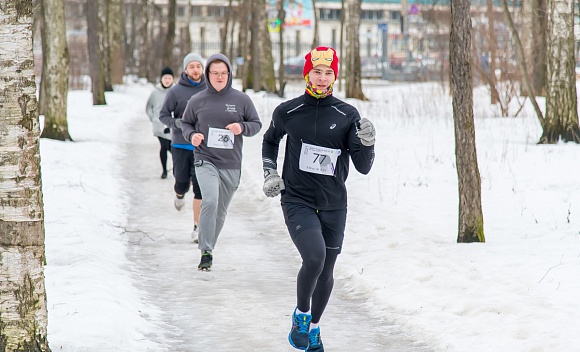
293,52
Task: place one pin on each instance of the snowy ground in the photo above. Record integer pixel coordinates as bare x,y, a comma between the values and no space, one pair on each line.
247,299
121,271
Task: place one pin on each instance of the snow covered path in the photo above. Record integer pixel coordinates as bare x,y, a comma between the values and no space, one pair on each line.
245,302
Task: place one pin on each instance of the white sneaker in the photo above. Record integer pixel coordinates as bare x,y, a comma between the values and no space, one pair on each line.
178,203
194,234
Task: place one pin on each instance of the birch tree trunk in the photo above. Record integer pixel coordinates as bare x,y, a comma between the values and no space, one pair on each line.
469,181
561,120
94,50
23,312
353,77
55,68
115,33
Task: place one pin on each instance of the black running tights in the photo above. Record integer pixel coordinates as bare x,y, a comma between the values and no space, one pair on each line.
315,278
165,148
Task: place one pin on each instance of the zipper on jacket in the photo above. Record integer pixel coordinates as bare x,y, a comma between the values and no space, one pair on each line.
316,118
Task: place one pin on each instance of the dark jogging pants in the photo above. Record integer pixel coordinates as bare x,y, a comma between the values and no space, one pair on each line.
184,172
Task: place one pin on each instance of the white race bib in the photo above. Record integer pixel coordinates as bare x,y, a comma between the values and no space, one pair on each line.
220,138
318,160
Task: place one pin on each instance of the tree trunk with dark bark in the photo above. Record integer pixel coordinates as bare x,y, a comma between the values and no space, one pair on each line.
169,35
226,30
264,56
94,50
104,43
341,45
115,33
539,42
254,73
353,77
55,66
315,41
143,39
281,73
244,41
39,26
492,53
469,181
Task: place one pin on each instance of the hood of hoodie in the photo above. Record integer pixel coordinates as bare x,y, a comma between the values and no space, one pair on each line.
223,58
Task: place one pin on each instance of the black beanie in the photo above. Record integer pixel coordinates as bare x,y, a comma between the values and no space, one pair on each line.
166,71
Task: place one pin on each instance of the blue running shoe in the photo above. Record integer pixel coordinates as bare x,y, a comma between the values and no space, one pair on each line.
315,341
298,336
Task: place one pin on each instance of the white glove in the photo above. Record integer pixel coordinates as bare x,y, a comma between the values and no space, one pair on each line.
366,132
273,183
178,123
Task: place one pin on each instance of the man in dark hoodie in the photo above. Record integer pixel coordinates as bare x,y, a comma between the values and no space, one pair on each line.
322,132
191,82
215,122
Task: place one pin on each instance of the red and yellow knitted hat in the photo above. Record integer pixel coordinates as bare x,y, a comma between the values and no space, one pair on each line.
321,55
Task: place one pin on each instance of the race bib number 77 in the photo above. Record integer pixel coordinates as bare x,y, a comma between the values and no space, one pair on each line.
318,160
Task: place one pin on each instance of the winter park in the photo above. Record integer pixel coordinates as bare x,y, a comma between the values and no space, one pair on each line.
463,236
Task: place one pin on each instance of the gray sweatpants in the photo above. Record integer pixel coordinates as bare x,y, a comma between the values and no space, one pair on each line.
218,188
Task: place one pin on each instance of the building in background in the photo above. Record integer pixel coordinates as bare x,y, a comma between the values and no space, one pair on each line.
394,34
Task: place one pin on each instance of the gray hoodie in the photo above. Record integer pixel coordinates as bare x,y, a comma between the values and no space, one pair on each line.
154,104
211,108
175,102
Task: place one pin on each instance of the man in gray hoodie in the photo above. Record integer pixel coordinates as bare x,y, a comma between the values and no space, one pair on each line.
191,82
215,122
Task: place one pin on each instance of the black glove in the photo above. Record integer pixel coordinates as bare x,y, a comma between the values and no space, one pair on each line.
166,130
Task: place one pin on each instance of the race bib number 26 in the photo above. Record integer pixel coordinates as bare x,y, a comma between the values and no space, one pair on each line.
220,138
318,160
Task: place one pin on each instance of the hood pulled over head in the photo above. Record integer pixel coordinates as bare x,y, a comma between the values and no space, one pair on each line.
224,59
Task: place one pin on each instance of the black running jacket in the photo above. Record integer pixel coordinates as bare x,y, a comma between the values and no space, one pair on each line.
329,123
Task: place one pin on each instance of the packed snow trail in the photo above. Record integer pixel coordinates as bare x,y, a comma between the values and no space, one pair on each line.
245,302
